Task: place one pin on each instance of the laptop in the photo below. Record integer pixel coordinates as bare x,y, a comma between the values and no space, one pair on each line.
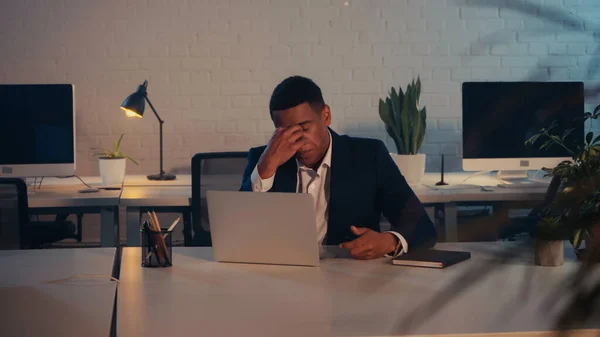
265,228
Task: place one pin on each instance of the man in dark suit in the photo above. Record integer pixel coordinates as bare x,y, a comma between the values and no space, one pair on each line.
352,180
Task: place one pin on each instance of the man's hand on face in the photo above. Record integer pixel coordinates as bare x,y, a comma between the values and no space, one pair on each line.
282,146
370,244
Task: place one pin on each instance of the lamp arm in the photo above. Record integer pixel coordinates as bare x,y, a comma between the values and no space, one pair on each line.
153,110
161,122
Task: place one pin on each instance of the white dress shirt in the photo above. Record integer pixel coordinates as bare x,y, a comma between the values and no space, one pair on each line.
317,184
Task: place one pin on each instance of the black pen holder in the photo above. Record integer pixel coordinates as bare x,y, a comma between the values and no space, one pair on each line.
157,250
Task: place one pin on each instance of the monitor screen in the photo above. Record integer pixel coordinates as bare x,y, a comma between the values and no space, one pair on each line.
37,125
499,117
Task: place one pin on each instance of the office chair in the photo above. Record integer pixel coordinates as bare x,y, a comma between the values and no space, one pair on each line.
17,231
227,165
14,215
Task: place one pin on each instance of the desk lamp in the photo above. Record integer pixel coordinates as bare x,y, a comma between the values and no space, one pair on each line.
134,107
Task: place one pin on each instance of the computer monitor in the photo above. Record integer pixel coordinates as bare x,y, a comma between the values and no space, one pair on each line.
498,118
37,130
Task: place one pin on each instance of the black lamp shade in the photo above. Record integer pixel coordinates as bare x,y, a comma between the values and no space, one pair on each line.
134,107
135,103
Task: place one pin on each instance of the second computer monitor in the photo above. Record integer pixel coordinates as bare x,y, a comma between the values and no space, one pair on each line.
499,117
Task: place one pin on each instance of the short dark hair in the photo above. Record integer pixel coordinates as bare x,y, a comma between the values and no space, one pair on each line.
294,91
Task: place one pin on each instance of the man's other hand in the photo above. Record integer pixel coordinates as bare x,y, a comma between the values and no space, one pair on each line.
370,244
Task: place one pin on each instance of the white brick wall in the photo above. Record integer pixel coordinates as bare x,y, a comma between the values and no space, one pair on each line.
212,65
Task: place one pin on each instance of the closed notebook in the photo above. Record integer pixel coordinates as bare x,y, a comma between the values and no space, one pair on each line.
431,258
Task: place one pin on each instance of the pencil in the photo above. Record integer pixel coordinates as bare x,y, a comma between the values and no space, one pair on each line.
171,228
161,241
155,227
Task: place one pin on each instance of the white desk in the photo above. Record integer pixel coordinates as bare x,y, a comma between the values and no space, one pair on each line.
130,180
142,180
64,193
178,196
170,196
137,199
51,199
31,306
459,190
341,297
456,192
69,196
139,193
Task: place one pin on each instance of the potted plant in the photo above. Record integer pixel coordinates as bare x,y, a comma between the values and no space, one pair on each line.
405,123
573,210
112,163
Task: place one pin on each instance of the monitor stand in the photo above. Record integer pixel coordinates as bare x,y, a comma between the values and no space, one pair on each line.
32,188
518,179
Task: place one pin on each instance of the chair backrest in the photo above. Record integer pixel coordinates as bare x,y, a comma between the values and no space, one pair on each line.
14,213
216,171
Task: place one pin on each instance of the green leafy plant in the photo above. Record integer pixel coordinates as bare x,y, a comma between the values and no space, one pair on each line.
404,122
576,206
115,153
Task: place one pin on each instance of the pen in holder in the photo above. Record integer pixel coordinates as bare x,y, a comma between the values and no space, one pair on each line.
156,246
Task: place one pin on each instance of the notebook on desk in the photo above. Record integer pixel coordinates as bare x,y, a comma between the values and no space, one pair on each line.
431,258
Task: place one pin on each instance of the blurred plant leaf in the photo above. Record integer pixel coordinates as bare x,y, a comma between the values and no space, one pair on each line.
589,137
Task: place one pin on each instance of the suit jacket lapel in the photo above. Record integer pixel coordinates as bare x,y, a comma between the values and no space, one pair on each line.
339,188
286,177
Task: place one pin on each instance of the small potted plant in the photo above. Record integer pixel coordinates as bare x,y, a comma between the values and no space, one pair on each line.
112,163
405,123
573,209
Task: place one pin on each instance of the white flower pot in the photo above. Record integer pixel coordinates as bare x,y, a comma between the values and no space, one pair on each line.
549,253
411,166
112,170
